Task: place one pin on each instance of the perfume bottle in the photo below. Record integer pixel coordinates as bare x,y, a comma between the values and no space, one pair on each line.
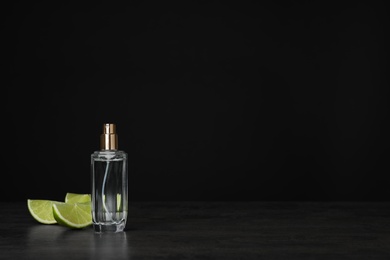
109,177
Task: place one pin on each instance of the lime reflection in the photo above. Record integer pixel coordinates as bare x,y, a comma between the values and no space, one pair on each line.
51,241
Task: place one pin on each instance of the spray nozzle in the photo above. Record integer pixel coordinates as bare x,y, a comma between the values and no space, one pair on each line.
109,138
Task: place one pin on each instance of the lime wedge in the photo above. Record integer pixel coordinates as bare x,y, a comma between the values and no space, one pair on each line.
42,210
77,197
118,200
73,215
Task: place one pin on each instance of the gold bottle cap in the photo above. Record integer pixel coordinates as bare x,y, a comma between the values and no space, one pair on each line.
109,138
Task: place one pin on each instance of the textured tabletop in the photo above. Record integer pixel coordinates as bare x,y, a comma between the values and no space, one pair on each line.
210,230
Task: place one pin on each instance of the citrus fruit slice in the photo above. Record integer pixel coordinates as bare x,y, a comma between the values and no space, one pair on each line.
42,210
118,200
77,197
73,215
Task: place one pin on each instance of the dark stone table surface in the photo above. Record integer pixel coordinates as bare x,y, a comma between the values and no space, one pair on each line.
210,230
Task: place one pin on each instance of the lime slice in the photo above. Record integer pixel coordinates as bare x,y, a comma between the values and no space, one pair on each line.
73,215
77,197
118,200
42,210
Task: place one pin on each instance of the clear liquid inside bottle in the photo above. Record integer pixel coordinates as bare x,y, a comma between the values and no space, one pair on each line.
109,190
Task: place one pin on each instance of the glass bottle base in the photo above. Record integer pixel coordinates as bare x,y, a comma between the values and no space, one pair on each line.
112,228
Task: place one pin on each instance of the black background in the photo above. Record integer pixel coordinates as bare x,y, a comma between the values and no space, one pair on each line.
213,100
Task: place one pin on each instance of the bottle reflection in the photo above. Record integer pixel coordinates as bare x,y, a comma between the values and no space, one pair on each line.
110,246
51,241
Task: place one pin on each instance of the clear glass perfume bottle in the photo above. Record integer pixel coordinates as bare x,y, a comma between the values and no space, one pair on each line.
109,176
